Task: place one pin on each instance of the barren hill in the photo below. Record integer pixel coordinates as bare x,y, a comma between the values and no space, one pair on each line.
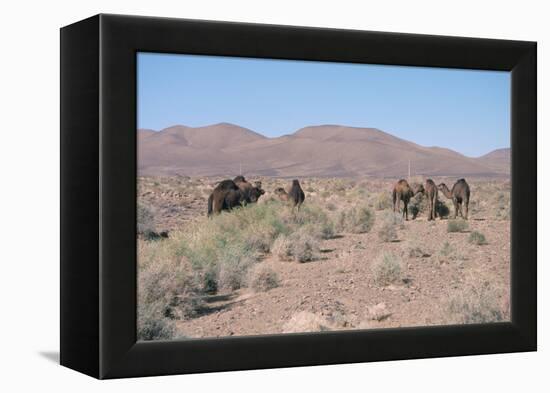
498,160
322,151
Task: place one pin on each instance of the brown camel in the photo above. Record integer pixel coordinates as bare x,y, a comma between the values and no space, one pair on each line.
281,194
229,194
430,190
460,195
296,194
402,191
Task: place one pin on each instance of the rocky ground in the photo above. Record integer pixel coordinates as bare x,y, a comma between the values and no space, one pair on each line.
443,277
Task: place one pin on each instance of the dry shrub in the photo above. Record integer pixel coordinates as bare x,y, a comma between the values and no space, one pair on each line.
283,248
145,221
477,238
167,290
417,251
302,246
153,325
418,204
383,201
388,228
482,304
305,321
446,250
456,226
356,220
502,206
315,219
305,247
387,269
235,263
262,278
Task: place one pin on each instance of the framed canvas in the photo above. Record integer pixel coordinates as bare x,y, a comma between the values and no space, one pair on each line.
240,196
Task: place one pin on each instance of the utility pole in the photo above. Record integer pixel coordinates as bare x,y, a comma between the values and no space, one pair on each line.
240,168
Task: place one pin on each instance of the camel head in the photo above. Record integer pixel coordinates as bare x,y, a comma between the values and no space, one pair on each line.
417,188
444,189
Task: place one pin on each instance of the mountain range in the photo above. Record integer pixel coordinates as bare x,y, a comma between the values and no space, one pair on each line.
318,151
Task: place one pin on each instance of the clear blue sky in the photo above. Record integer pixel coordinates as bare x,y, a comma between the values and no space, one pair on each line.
464,110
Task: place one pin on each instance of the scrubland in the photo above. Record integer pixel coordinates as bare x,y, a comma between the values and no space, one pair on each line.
345,260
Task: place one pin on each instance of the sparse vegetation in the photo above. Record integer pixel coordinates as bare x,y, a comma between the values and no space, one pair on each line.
153,325
447,250
502,205
418,204
356,220
206,265
262,278
388,228
456,226
441,208
145,220
383,201
477,238
481,304
305,247
387,269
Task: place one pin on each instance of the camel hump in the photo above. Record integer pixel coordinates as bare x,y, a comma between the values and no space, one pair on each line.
227,185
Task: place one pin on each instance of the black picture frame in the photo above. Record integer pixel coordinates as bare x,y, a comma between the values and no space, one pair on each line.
98,196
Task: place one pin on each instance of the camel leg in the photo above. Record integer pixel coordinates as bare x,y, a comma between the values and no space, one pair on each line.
455,203
406,211
466,208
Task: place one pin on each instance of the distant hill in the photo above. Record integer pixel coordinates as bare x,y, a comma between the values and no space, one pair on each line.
498,160
326,150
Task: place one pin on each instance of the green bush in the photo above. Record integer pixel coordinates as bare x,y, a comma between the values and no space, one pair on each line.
442,210
477,238
417,205
456,226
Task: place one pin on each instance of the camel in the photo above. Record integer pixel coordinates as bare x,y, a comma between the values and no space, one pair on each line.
281,194
230,193
296,194
430,190
460,195
402,191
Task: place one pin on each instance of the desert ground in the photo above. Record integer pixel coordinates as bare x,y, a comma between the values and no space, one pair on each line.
343,261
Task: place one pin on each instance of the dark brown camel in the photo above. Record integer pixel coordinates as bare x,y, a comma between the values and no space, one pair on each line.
402,191
430,190
296,194
229,194
460,195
